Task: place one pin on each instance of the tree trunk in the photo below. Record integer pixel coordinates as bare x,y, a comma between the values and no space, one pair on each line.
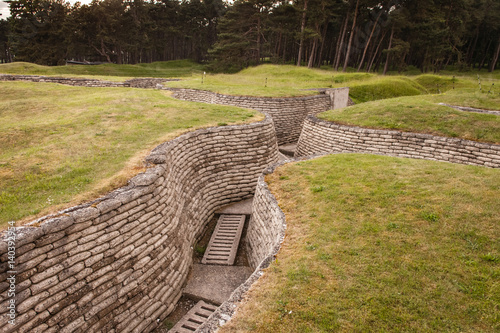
495,57
341,41
302,28
258,39
376,51
277,48
284,49
323,40
331,49
119,55
485,55
388,51
102,51
471,50
313,53
369,40
351,37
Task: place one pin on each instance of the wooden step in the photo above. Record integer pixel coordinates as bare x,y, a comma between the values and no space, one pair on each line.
223,245
194,318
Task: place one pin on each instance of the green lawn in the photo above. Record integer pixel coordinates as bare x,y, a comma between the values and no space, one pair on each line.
287,80
58,142
423,114
167,69
269,80
381,244
61,145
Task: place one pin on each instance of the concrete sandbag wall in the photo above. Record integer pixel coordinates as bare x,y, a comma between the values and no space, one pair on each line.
288,113
322,137
266,232
84,82
118,264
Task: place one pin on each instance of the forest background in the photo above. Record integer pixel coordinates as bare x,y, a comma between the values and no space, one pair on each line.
362,35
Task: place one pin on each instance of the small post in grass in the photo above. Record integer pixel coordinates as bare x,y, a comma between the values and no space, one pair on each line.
491,88
453,82
266,83
479,82
439,90
203,76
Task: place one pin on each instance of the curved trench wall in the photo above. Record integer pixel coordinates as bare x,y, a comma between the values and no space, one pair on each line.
267,225
288,113
321,137
118,264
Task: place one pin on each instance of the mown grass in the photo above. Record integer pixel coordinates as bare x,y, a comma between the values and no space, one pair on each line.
381,244
62,145
423,114
287,81
268,80
384,87
167,69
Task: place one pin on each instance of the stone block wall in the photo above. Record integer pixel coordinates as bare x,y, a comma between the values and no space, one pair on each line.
146,82
118,264
79,82
321,137
83,82
288,113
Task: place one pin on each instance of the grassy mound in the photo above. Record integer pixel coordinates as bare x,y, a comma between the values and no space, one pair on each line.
62,145
303,74
380,244
177,68
438,83
288,81
384,87
423,114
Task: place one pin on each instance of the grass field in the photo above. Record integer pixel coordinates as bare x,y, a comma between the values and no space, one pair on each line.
373,244
62,145
31,143
381,244
167,69
423,114
271,80
287,80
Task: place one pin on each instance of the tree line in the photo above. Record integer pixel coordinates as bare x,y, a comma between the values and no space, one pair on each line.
368,35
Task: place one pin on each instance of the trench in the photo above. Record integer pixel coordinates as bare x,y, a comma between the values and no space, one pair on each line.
120,262
191,294
240,271
128,255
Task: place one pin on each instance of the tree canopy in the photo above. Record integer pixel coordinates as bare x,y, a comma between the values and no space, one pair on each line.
363,34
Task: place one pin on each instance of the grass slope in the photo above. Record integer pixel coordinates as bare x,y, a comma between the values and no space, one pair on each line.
177,68
381,244
423,114
268,80
60,145
286,80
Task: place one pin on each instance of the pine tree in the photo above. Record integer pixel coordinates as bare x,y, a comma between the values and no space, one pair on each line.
37,31
4,42
241,35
